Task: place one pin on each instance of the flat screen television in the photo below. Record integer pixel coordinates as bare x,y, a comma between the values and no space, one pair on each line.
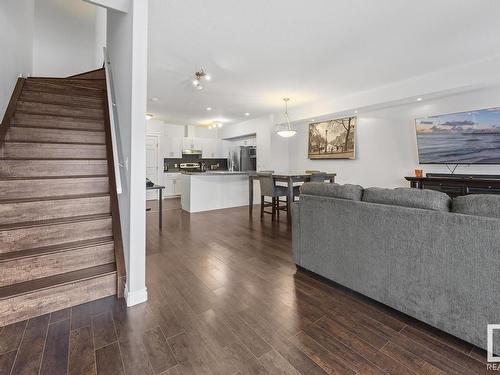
460,138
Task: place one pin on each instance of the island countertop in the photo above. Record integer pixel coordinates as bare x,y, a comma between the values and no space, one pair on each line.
214,190
216,173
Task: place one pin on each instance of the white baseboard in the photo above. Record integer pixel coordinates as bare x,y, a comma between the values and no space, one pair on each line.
137,297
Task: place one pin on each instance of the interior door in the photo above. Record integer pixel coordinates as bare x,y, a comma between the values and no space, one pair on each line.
152,164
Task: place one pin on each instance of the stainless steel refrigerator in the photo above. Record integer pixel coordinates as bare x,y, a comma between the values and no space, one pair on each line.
242,158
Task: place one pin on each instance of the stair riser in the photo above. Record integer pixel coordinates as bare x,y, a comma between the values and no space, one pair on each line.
54,109
44,97
36,267
86,83
55,234
21,189
42,302
23,134
62,89
57,122
45,168
11,213
52,151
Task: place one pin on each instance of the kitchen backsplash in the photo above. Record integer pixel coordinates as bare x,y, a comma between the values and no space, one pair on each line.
172,164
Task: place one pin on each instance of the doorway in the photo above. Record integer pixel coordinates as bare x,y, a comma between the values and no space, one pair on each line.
152,170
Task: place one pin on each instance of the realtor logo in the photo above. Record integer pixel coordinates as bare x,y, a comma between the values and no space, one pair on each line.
492,358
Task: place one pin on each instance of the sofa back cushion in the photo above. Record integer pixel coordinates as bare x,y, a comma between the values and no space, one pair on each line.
487,205
347,191
408,197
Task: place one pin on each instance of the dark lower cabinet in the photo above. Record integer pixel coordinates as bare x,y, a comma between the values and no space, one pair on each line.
457,184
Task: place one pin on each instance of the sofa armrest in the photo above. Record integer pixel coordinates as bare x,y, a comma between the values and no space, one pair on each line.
296,232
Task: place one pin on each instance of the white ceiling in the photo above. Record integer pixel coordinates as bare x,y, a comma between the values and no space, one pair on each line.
259,51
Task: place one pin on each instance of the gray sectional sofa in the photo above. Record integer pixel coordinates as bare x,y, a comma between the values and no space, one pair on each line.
417,251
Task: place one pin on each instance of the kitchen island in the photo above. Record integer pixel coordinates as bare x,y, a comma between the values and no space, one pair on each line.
213,190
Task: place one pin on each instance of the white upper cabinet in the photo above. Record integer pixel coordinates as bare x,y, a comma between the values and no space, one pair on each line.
173,147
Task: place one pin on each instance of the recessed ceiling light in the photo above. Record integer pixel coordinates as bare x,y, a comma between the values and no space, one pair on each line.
154,99
356,111
313,119
419,99
149,116
247,113
209,108
219,125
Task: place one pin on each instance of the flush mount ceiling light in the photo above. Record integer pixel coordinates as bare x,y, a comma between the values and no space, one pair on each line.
215,125
209,108
247,114
284,129
199,77
149,116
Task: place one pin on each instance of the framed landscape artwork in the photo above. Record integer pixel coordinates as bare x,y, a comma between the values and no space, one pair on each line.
333,139
471,137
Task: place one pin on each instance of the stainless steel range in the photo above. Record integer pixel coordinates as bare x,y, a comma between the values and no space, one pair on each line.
190,167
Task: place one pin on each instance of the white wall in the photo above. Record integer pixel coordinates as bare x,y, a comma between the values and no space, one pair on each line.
386,148
65,37
99,35
127,47
16,44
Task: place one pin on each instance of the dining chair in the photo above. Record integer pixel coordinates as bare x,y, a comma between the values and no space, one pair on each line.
269,189
318,177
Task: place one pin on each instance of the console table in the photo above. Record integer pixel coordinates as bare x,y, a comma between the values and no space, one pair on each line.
457,184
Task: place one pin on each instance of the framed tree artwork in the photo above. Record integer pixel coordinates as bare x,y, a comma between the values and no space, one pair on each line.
333,139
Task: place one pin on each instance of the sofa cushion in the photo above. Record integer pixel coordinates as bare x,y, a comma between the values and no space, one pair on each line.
408,197
487,205
347,191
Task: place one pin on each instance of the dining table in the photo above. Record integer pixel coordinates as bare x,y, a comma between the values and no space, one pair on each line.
289,178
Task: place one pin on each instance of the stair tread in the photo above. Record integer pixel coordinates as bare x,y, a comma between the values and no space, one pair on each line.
68,82
52,159
45,250
61,88
70,129
93,98
31,126
54,198
27,287
65,105
65,220
52,177
65,115
57,143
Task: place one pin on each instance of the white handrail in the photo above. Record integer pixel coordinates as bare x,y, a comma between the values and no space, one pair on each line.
113,121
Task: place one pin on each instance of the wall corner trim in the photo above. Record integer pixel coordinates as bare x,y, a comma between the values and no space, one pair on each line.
136,297
123,6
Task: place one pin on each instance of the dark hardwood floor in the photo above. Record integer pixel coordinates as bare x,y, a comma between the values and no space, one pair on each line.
225,298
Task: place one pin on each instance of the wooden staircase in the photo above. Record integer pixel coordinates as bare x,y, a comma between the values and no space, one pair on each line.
60,237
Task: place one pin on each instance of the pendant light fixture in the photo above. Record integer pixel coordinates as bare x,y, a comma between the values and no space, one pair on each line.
285,129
